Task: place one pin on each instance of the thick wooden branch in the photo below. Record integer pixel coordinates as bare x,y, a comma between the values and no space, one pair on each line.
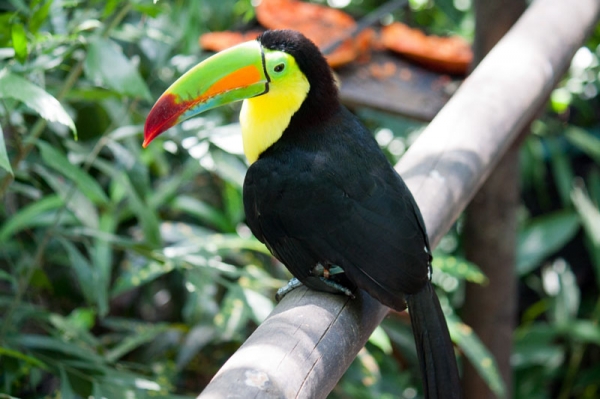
302,349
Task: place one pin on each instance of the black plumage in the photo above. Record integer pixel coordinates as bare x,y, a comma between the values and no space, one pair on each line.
328,195
324,193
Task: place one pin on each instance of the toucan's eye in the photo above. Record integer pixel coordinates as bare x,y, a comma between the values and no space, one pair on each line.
279,67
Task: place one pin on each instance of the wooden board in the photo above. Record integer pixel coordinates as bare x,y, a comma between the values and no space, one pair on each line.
388,82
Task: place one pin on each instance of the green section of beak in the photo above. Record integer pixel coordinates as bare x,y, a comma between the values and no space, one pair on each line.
231,75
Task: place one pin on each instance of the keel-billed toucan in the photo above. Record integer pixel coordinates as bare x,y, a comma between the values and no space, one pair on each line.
319,192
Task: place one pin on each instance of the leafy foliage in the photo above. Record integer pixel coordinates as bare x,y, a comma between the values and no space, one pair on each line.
119,266
128,272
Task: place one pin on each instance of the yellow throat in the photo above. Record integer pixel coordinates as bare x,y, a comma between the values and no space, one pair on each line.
264,118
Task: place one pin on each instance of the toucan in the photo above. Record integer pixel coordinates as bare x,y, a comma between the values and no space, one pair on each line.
319,192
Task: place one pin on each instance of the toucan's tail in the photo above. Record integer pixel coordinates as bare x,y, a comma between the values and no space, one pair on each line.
434,347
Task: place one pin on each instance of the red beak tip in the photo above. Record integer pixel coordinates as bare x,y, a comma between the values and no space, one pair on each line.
149,134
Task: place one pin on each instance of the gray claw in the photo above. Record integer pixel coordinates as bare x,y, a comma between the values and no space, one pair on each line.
286,289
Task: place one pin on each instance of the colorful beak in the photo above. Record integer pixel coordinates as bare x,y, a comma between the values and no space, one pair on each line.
231,75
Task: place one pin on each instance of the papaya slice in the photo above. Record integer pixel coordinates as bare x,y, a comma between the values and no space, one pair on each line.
219,41
451,55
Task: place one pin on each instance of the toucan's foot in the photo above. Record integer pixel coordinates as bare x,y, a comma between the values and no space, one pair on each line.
322,279
325,274
337,287
286,289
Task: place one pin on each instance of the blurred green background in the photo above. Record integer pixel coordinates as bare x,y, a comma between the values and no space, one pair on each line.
130,273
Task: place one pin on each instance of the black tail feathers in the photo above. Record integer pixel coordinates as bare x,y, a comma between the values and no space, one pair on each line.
434,347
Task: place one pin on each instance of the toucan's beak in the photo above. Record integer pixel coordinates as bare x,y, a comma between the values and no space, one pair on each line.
231,75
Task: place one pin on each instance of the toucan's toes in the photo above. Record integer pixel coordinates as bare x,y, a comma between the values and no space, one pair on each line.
286,289
337,287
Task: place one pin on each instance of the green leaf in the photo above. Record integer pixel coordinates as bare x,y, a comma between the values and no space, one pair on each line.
561,285
142,336
561,170
560,99
119,383
259,305
86,184
229,167
590,218
39,279
235,242
116,241
593,184
135,277
45,343
102,259
459,268
36,98
477,354
380,339
146,216
152,10
106,65
204,212
66,390
21,356
201,302
138,205
19,40
234,203
585,141
585,331
86,276
547,355
8,277
196,339
29,216
82,318
39,17
536,345
196,238
20,6
109,7
75,201
6,396
93,94
543,236
75,328
233,315
169,188
590,215
4,161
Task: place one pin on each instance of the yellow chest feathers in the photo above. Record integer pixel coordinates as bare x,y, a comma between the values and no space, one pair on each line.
264,118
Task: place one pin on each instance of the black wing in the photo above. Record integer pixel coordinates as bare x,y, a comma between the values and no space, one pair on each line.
309,205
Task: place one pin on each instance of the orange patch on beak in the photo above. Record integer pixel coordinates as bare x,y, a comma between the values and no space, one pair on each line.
240,78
